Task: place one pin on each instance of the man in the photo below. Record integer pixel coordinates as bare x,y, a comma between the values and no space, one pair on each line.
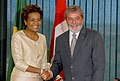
81,56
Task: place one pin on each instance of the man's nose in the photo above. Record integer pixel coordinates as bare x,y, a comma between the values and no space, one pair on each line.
74,21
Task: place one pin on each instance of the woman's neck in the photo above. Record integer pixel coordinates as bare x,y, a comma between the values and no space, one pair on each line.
32,35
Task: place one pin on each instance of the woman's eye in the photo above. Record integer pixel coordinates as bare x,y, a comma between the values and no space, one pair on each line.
39,20
31,20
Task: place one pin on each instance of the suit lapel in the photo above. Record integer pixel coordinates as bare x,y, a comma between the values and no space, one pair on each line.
79,42
66,44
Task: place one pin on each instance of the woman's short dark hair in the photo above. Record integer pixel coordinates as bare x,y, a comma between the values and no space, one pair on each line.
29,9
118,79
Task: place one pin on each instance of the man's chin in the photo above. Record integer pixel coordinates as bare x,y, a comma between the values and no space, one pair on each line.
75,31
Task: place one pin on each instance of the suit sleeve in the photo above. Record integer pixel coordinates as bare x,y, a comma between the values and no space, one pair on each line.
98,58
57,62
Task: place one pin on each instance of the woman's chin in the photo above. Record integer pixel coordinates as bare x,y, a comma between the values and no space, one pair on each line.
35,30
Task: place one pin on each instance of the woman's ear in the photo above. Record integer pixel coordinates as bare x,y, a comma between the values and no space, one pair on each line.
25,22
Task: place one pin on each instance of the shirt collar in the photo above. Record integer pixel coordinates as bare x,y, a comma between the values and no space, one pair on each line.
77,34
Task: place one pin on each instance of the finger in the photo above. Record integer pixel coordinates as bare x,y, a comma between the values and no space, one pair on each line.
41,71
44,77
44,72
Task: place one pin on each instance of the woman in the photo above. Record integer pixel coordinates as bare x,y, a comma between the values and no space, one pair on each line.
29,48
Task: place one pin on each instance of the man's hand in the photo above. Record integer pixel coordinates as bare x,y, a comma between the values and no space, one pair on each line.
46,74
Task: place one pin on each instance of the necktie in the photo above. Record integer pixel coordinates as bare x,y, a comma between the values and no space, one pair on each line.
73,42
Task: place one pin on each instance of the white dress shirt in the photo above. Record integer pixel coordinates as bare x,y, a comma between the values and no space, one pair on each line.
70,36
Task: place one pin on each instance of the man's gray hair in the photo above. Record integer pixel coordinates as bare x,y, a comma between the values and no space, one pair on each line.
73,8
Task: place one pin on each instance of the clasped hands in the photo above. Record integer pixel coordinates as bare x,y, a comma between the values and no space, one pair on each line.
46,74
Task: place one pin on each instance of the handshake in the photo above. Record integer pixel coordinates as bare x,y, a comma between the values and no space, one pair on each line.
46,74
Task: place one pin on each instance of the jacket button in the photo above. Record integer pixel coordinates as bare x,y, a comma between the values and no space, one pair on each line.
73,78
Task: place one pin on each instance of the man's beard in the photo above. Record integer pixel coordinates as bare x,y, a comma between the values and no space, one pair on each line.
75,25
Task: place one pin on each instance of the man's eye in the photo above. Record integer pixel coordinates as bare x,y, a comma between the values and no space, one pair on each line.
77,18
69,19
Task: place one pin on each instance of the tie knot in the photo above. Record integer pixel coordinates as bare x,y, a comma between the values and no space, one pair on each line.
74,35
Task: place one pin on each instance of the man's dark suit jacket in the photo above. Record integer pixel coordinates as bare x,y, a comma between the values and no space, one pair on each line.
88,61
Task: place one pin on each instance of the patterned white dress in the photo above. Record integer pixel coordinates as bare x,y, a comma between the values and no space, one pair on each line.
27,52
